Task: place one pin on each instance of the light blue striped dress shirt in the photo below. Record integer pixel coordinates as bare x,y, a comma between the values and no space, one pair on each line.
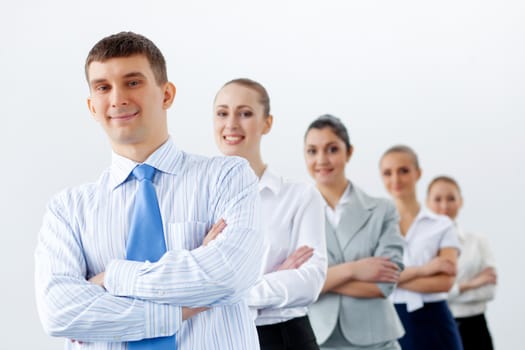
85,231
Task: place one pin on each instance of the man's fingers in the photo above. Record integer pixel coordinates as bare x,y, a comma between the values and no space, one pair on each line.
218,226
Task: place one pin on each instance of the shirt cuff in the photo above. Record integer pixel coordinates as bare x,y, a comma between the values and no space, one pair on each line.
386,288
162,320
120,277
454,291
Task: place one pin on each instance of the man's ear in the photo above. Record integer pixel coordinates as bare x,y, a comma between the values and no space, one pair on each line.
169,94
268,122
91,107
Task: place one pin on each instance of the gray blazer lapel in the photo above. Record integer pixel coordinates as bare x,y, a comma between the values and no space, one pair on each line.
335,251
355,214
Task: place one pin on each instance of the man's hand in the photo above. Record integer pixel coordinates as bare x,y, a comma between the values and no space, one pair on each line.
214,232
188,313
375,269
297,258
98,279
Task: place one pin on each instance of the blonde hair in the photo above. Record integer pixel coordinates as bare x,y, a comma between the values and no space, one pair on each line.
443,178
403,149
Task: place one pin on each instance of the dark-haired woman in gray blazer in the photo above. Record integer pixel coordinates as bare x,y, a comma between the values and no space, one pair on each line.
365,250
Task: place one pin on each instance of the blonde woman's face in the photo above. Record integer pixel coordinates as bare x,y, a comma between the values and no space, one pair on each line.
444,198
399,174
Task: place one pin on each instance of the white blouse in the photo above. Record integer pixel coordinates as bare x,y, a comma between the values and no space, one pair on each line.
292,216
427,235
475,256
334,215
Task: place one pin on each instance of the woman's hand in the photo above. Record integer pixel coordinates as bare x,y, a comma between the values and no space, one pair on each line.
439,265
297,258
487,276
375,269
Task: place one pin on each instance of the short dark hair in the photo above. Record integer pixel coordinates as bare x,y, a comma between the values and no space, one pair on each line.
264,98
403,149
126,44
335,124
443,178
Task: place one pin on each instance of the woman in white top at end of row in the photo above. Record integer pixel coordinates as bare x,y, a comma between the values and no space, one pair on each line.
476,277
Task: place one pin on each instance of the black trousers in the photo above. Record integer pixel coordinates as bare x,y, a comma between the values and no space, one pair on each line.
430,328
474,333
294,334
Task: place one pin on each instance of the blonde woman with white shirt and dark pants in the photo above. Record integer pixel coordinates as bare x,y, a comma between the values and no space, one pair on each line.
292,219
476,278
430,257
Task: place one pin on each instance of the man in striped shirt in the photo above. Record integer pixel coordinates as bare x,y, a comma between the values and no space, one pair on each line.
86,289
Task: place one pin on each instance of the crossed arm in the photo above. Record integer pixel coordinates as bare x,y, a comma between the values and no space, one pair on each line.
140,301
359,278
375,276
434,277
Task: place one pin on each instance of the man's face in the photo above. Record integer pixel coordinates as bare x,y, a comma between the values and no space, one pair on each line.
127,101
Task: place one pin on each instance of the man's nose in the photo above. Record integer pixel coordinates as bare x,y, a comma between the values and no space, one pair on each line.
118,97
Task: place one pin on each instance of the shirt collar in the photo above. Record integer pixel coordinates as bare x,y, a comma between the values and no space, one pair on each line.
425,213
270,181
167,158
345,198
460,231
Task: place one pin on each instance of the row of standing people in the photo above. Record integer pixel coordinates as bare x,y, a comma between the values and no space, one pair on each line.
92,289
371,246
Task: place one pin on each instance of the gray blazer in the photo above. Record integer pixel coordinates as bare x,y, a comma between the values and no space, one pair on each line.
368,227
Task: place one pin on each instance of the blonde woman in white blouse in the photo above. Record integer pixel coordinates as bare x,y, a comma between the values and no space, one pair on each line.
430,257
476,277
292,217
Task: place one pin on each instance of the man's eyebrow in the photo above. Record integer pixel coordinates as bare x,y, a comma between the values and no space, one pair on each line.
126,76
96,81
135,75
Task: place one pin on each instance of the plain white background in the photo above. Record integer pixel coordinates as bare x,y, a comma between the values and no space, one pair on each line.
447,78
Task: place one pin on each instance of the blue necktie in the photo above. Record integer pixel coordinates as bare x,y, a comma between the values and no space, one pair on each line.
146,241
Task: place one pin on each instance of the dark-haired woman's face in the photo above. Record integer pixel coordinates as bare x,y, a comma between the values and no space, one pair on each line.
326,156
444,198
399,174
